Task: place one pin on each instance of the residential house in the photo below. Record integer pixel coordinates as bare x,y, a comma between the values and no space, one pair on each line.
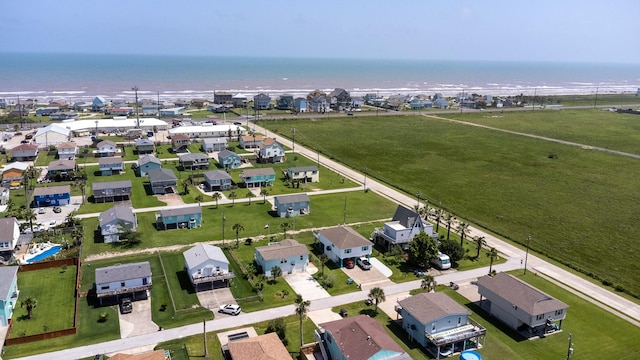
258,177
111,191
319,104
288,254
357,102
162,181
229,160
239,101
251,141
4,103
46,111
63,115
214,144
188,217
194,161
146,163
217,180
171,112
262,101
303,174
403,227
19,110
8,293
284,102
52,196
218,108
520,305
13,172
124,280
292,205
315,93
199,103
9,234
439,323
420,104
358,338
112,165
343,245
220,97
206,264
116,221
144,146
180,143
441,103
61,170
184,104
51,135
339,99
300,105
263,347
99,104
67,150
270,151
24,152
107,148
4,196
151,109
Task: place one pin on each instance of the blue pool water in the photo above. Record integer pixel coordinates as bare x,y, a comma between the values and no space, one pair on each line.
45,254
470,355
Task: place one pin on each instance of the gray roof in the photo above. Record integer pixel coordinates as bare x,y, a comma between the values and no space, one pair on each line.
226,153
110,160
161,174
258,171
148,159
143,142
219,140
290,199
111,185
6,228
52,190
344,237
216,175
282,249
519,293
406,216
105,143
7,274
189,210
121,213
202,253
192,157
64,164
429,307
303,168
123,272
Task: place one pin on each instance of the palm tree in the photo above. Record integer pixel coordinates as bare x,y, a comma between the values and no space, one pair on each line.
185,186
448,219
428,283
264,193
302,307
285,226
83,189
232,195
438,217
237,228
323,258
463,229
377,294
30,215
216,196
276,271
492,254
480,242
30,303
250,195
199,198
70,219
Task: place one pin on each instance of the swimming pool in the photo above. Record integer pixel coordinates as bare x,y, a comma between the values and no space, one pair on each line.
45,254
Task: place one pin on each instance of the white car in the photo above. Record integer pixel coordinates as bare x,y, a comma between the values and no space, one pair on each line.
230,309
42,210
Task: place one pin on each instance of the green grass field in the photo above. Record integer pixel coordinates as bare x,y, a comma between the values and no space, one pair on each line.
578,208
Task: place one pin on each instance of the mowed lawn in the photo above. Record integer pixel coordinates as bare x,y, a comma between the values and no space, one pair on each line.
580,208
54,289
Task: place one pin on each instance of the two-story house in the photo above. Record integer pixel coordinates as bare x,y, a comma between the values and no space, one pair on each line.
214,144
8,293
403,227
339,99
292,205
251,141
300,105
107,148
147,163
343,245
288,254
262,101
162,181
61,170
125,280
9,234
258,177
270,151
284,102
110,191
67,150
206,264
194,161
188,217
24,152
180,143
13,172
52,196
266,347
229,160
303,174
112,165
144,146
217,180
115,221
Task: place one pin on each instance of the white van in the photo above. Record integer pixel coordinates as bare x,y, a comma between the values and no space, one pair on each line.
442,261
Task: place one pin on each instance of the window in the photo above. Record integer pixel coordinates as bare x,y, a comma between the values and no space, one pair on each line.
283,261
559,312
459,321
104,287
122,284
433,327
364,248
540,317
301,257
347,251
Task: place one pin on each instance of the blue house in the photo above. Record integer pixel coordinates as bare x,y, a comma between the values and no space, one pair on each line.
112,165
228,159
52,196
8,292
262,101
147,163
292,205
162,181
170,112
258,177
288,254
300,105
217,180
439,323
181,218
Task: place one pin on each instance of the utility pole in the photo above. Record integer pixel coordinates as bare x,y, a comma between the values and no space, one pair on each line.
418,195
204,336
293,132
223,219
595,103
526,256
344,214
570,349
365,178
533,102
135,88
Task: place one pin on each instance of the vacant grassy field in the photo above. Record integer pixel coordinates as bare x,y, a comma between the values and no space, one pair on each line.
579,208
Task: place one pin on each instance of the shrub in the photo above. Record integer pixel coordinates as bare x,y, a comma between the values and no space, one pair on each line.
103,317
619,288
277,326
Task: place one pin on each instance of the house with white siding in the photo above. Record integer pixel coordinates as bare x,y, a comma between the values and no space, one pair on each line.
343,245
126,280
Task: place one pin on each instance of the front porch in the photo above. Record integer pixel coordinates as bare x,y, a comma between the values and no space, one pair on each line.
447,343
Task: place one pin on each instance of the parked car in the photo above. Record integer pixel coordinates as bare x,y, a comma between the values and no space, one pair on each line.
57,209
364,264
53,223
42,210
125,306
230,309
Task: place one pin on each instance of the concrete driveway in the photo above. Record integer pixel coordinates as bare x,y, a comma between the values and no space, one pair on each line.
304,284
212,299
368,279
322,316
137,322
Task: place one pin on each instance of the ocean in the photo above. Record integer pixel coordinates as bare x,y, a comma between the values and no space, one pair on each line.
81,77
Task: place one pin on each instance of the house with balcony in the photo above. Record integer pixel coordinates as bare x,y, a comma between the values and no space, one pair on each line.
8,293
144,146
262,101
288,254
194,161
258,177
339,99
112,165
52,196
239,101
319,104
270,151
343,245
107,148
188,217
214,144
61,170
300,105
292,205
162,181
251,141
9,234
227,159
24,152
206,264
403,227
439,323
147,163
284,102
303,174
115,221
221,97
125,280
217,180
180,143
521,306
67,150
111,191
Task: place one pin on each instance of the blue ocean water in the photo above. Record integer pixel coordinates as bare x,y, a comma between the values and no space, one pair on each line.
81,76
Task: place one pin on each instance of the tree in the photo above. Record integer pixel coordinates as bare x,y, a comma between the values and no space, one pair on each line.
70,219
422,249
285,226
302,307
127,233
463,229
250,195
277,326
199,198
216,196
428,283
480,242
83,190
323,258
492,254
30,215
438,216
377,294
30,303
185,186
276,271
448,219
237,228
453,249
232,195
264,193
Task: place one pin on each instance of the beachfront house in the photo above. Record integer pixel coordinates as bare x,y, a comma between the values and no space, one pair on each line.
217,180
319,104
194,161
292,205
267,346
339,99
115,221
106,148
180,143
403,227
214,144
343,245
9,233
206,264
303,174
519,305
300,105
288,254
112,165
239,101
262,101
251,141
221,97
51,135
227,159
171,112
8,293
188,217
125,280
61,170
24,152
111,191
284,102
258,177
46,111
52,196
439,323
162,181
270,151
144,146
67,150
147,163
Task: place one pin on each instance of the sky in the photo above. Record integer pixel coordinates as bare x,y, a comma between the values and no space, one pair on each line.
544,30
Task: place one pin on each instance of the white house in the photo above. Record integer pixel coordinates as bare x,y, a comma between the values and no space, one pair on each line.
67,150
107,148
113,220
206,264
343,245
9,233
125,280
304,174
270,151
288,254
403,227
51,135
